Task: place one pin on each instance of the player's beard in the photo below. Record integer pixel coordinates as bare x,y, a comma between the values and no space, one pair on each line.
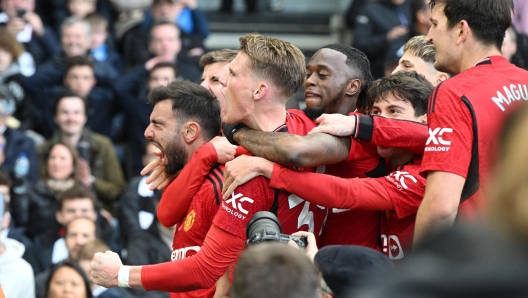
314,113
176,156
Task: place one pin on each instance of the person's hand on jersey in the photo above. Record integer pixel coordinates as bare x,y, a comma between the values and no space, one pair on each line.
105,268
335,124
224,149
311,248
242,169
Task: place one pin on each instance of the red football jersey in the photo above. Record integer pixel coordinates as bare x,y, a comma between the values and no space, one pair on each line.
466,115
406,188
294,213
191,230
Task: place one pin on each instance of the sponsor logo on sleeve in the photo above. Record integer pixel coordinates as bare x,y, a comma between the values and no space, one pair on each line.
438,140
234,205
400,179
181,253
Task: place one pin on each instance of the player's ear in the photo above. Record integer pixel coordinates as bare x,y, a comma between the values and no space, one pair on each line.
440,78
423,119
261,91
354,87
190,131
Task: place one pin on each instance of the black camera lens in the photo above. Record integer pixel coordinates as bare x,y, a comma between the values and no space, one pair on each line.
264,221
20,12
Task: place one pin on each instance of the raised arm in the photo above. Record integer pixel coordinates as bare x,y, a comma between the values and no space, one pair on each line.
294,150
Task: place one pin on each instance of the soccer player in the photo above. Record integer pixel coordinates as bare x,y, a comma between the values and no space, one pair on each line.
185,117
419,55
399,96
466,112
264,75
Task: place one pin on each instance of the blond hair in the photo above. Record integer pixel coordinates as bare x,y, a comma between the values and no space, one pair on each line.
225,56
278,61
419,47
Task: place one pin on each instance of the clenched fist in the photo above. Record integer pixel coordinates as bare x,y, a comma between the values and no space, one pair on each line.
105,267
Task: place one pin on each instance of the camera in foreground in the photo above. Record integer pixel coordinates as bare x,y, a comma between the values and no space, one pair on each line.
265,226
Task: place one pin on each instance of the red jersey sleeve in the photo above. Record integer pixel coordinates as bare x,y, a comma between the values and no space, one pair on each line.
236,211
177,196
386,132
448,147
406,188
201,271
331,191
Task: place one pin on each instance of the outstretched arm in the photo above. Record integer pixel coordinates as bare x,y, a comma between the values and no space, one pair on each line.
294,150
201,271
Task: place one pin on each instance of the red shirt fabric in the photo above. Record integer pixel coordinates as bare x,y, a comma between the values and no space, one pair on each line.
191,231
401,193
466,115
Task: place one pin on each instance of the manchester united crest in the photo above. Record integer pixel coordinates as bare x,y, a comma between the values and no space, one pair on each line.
189,221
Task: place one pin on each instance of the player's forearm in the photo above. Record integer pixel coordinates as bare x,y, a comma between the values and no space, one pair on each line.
430,219
293,150
331,191
381,131
177,196
135,277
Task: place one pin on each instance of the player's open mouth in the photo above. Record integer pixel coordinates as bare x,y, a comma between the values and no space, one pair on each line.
163,155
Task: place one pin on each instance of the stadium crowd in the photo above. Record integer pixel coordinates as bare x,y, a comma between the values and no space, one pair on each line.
134,160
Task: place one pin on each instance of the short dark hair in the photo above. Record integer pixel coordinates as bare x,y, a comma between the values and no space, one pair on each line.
275,270
406,85
74,266
68,93
190,101
359,65
225,55
165,65
78,61
488,19
4,179
162,23
78,191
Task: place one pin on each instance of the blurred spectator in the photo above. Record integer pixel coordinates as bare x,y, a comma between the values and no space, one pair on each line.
81,8
275,270
100,48
132,91
79,231
137,201
344,268
17,153
85,256
421,17
155,239
190,43
20,19
11,76
36,211
67,279
16,275
8,229
102,108
353,11
382,27
75,41
509,45
520,17
99,166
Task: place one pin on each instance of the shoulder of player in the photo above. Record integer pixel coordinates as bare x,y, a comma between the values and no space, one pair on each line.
213,182
258,186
